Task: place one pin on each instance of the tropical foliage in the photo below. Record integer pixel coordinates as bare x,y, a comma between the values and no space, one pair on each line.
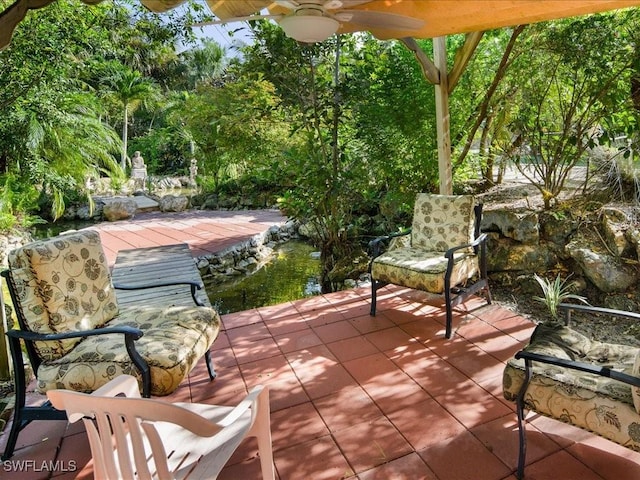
337,130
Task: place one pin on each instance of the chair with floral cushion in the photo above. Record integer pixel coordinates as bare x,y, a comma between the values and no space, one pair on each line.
568,376
77,337
443,252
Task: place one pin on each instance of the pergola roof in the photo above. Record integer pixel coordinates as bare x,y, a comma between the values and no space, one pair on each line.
441,17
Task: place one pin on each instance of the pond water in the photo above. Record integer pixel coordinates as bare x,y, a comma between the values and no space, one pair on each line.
291,274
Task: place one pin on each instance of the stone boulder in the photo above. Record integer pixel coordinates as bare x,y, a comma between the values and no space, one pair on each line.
173,203
608,273
504,255
119,209
521,226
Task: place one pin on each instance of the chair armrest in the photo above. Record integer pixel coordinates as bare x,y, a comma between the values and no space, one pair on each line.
195,286
130,336
530,357
134,333
379,244
482,238
570,307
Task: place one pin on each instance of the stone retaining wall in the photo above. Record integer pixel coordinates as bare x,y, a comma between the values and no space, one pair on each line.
247,256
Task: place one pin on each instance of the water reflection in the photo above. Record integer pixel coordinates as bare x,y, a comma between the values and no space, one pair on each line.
291,274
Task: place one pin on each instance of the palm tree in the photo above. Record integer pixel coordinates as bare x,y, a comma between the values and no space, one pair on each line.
130,89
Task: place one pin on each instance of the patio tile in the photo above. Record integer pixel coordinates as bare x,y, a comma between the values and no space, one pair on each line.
267,371
425,424
321,317
485,408
286,324
612,460
295,425
333,379
298,340
258,350
409,467
367,323
500,436
477,364
240,319
286,393
241,336
339,330
317,459
346,407
463,456
352,348
389,338
560,465
371,443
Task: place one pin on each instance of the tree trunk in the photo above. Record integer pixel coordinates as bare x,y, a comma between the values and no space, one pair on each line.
125,134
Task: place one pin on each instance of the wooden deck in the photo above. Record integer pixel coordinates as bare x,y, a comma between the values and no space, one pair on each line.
146,266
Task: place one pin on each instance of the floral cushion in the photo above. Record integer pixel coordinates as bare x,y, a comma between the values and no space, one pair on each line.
69,284
421,269
595,403
635,391
30,304
442,221
174,340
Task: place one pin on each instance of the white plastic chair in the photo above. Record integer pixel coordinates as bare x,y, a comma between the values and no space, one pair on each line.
142,438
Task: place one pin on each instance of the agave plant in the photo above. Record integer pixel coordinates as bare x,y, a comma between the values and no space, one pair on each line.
556,292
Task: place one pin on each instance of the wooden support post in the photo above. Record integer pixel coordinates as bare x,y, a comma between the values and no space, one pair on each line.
442,116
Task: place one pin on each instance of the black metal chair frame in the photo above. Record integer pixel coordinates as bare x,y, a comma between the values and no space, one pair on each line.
453,294
23,414
530,357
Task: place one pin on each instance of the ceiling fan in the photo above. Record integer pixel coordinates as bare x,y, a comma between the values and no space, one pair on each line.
312,21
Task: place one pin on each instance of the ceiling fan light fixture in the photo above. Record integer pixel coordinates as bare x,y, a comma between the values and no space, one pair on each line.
309,29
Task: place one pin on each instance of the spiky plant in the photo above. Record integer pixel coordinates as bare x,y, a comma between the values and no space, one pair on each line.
556,292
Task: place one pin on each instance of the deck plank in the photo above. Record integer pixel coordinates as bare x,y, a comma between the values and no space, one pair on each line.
144,266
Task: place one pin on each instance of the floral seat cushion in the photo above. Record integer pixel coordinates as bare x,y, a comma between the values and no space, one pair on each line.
422,269
442,221
63,285
595,403
174,339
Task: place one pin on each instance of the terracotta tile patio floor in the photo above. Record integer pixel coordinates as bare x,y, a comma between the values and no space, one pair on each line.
385,397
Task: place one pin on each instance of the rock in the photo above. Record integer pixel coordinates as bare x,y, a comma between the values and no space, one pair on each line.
557,227
518,225
513,256
119,209
606,272
614,225
173,203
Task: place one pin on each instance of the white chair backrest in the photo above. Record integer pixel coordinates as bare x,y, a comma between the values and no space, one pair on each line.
140,438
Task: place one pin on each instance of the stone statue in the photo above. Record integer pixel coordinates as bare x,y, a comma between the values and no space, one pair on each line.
193,171
138,170
138,161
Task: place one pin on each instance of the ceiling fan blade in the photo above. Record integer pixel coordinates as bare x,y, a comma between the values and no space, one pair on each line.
245,18
290,4
336,4
383,20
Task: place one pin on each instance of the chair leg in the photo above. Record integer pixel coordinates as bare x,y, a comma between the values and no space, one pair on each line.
16,426
263,434
373,298
448,308
210,369
522,454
